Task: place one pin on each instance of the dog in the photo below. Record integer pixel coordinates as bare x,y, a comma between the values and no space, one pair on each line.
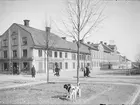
73,91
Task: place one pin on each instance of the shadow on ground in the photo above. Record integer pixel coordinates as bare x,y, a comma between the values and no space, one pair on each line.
83,77
62,97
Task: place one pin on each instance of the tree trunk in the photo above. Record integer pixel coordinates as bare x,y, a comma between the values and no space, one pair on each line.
78,61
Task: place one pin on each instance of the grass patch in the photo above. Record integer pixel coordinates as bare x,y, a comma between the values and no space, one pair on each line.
47,94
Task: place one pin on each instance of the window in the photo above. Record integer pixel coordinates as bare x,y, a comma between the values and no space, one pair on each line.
5,43
66,54
55,54
50,53
26,66
40,53
5,54
60,65
25,53
88,57
5,66
66,65
73,65
24,40
14,41
14,53
73,56
83,57
60,54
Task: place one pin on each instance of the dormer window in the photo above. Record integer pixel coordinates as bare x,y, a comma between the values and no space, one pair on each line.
24,40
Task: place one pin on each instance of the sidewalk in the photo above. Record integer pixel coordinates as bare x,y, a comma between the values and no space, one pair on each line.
15,80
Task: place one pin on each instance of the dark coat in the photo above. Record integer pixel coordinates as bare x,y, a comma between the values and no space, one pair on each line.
87,71
33,72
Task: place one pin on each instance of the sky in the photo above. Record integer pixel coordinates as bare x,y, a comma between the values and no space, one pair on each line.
121,23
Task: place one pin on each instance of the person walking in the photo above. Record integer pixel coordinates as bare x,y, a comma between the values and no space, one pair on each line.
57,70
87,71
33,72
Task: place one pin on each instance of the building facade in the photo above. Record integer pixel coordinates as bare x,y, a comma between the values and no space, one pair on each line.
22,46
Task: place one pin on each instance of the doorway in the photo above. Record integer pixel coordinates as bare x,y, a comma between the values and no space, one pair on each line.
15,68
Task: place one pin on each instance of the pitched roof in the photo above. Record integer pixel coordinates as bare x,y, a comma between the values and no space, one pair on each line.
106,48
55,42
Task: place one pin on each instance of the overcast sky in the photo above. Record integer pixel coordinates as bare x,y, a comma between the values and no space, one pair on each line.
122,22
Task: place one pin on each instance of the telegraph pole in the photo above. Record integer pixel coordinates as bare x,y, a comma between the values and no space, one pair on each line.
47,48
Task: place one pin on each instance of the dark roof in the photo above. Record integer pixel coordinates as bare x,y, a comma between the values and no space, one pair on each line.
112,46
55,42
90,46
95,45
106,48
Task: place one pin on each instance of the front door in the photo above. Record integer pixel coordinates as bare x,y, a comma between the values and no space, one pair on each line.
15,68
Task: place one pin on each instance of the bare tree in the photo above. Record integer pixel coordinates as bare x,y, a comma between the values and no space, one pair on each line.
82,18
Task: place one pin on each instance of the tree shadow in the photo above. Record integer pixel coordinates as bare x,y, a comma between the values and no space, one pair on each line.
62,97
83,77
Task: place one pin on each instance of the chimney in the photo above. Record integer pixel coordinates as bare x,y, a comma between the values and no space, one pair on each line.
101,42
105,43
88,42
26,23
63,38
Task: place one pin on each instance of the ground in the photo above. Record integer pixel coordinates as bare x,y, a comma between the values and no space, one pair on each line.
47,94
98,88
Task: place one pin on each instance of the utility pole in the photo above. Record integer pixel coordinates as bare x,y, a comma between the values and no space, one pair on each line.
47,48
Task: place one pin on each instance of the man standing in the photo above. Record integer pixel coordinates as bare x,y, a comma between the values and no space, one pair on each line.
33,72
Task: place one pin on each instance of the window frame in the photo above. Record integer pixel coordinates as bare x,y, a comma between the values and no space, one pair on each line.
5,54
14,53
24,41
66,65
55,54
66,55
24,53
60,54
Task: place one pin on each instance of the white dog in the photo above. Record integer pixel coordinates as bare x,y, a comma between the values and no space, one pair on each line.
73,91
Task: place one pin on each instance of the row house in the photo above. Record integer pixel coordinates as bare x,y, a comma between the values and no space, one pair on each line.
105,56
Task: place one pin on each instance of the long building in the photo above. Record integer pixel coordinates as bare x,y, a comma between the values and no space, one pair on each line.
23,46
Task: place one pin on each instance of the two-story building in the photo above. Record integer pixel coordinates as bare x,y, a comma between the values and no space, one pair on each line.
23,46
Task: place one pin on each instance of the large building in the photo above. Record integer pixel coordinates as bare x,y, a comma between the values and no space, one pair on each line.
23,46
